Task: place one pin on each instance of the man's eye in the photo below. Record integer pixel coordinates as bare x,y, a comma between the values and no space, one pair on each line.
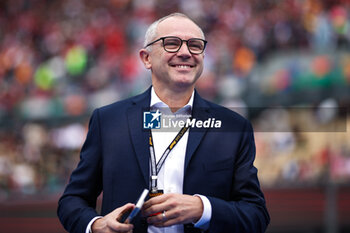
171,43
196,45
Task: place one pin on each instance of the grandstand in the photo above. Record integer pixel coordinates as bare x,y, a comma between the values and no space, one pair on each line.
59,60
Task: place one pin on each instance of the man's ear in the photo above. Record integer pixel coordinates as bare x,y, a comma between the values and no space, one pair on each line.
145,58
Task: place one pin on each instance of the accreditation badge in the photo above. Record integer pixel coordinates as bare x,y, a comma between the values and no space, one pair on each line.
155,193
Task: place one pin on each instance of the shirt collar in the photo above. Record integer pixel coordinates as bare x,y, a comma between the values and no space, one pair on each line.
156,103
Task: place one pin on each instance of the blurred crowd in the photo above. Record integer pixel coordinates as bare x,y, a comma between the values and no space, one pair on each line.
60,59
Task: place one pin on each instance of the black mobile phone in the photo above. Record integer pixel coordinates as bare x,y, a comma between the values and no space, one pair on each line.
126,218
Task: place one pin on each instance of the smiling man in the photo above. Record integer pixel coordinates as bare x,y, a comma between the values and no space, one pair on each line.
199,180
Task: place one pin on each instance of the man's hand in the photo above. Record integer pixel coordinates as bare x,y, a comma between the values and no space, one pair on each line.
173,208
110,223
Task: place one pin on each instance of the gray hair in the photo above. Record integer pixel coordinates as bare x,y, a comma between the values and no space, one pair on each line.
151,32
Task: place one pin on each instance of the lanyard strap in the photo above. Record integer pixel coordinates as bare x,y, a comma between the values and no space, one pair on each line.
155,167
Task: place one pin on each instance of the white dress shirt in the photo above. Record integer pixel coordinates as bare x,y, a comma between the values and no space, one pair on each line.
171,175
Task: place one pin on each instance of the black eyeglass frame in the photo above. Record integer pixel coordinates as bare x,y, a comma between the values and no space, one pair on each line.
166,37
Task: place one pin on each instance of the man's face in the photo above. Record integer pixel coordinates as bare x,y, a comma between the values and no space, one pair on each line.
176,70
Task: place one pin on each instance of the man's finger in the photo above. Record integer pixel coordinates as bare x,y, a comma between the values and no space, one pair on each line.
155,200
166,217
166,221
155,219
123,210
154,209
156,205
119,227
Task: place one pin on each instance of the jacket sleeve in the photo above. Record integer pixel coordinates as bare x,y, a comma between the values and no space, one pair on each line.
77,205
246,210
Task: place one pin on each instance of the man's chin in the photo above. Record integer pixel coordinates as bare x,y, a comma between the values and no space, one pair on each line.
184,84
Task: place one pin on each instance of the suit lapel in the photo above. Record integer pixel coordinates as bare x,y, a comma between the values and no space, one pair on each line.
139,137
200,111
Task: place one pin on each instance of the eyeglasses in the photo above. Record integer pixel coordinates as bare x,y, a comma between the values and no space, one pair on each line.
172,44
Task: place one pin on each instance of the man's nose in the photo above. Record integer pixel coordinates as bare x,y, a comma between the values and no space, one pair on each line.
184,51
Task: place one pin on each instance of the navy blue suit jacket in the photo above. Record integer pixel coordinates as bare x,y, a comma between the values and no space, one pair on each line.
115,159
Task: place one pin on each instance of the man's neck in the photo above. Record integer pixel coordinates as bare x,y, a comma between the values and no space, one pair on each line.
174,99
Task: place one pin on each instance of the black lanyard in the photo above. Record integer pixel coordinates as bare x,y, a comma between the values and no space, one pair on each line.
155,167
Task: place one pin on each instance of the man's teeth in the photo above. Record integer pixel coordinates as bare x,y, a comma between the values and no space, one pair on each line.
183,66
